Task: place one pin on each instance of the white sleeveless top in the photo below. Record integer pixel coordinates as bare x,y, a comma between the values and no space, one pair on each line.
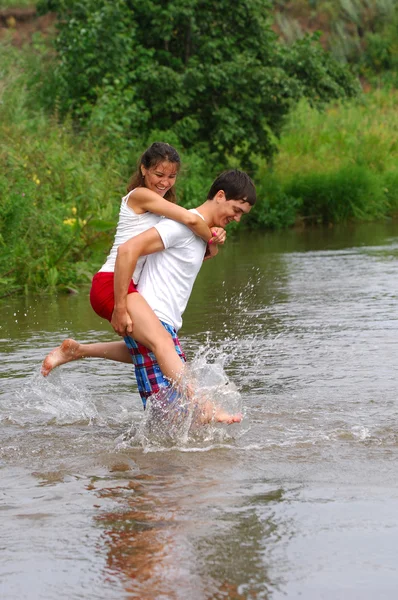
130,224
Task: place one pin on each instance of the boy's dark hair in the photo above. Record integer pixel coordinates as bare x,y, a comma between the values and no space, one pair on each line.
236,185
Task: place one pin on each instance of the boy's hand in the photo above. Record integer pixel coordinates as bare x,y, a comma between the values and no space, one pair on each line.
211,251
219,235
122,322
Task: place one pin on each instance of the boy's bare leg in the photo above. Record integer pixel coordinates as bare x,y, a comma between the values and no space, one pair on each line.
208,411
71,350
148,330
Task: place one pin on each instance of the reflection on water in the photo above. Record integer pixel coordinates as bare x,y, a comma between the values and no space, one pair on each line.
137,537
160,544
298,330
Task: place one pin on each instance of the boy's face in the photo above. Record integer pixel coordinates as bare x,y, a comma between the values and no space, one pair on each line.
230,210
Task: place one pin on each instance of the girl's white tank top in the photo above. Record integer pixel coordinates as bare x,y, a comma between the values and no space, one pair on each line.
129,225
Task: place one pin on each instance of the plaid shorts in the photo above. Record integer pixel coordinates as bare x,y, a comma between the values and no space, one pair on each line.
147,371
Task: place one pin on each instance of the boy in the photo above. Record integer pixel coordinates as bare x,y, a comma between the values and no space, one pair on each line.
175,256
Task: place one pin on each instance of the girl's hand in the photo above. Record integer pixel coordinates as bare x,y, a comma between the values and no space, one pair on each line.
219,235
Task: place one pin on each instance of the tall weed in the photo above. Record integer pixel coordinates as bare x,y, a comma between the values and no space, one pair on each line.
333,166
58,191
352,192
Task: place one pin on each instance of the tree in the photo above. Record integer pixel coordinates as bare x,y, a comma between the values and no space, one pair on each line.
207,73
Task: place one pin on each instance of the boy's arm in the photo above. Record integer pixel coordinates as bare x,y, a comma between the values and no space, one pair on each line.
128,253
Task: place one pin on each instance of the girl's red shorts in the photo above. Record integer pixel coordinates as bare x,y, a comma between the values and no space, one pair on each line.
102,296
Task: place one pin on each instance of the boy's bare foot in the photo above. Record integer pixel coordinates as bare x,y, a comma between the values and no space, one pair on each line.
66,352
211,413
220,416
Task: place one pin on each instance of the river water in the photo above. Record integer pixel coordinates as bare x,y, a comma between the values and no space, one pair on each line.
299,330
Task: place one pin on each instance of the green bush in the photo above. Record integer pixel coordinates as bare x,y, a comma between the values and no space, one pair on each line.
351,193
211,76
15,3
332,166
275,208
56,210
58,190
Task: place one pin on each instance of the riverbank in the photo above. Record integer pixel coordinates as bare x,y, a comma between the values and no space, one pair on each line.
60,187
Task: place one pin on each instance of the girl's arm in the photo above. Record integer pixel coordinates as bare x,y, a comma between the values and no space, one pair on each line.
149,201
219,235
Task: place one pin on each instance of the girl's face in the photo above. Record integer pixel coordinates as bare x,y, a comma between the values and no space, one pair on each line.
161,177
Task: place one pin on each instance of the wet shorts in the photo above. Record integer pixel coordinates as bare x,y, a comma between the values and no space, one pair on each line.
147,371
102,296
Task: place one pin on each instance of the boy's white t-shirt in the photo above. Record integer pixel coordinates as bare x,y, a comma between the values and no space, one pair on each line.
168,276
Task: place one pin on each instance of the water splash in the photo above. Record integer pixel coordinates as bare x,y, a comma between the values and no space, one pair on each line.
173,420
51,400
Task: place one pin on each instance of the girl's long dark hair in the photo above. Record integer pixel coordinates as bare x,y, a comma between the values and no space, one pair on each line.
156,153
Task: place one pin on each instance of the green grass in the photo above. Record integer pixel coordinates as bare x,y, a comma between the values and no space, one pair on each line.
334,166
362,133
57,190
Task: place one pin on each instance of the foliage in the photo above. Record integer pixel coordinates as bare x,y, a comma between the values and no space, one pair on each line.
14,3
332,167
352,192
56,193
381,56
212,77
275,208
60,191
363,133
60,188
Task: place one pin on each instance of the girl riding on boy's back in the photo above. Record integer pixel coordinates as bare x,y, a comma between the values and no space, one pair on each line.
150,196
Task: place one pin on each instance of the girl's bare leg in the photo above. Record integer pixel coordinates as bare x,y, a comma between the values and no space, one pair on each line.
148,331
71,350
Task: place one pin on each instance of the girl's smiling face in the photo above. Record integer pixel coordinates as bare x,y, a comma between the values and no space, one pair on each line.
161,177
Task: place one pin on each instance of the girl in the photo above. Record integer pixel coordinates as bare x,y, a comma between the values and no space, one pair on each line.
150,194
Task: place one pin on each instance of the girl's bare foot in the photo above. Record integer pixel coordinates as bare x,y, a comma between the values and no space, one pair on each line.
66,352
